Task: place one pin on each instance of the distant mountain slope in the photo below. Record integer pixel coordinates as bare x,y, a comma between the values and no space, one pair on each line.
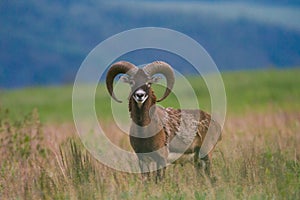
270,2
44,42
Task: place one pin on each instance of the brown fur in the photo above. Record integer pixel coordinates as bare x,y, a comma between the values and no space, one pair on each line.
168,122
202,122
141,119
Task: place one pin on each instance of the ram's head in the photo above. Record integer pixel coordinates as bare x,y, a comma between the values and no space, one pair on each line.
140,79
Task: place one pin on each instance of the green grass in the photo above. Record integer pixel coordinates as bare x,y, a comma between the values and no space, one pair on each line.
246,91
53,103
260,90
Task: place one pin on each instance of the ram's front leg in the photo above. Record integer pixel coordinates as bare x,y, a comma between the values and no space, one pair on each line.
160,170
144,167
160,158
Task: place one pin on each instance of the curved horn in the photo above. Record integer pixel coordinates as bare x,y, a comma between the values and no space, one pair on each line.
166,70
121,67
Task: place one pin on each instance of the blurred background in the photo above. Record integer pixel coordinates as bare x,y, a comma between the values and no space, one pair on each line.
43,42
255,44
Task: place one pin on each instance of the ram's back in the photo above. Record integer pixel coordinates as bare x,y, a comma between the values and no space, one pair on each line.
189,129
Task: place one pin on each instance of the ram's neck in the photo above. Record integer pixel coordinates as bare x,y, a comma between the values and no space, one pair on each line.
142,115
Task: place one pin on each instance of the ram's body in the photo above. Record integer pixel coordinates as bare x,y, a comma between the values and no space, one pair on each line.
186,129
156,131
176,131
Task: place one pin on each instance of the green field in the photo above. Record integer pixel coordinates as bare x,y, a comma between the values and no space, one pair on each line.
246,91
258,157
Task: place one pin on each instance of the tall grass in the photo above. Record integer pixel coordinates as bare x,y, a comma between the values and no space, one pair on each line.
258,158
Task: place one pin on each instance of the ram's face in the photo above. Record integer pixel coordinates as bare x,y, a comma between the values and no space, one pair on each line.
140,85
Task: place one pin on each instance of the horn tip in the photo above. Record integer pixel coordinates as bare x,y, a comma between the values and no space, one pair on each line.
117,100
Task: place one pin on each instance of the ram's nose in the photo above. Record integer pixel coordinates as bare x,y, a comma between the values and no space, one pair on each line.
140,96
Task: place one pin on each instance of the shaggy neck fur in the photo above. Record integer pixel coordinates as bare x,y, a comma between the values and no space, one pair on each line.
141,115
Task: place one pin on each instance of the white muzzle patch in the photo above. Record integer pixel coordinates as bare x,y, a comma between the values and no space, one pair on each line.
140,97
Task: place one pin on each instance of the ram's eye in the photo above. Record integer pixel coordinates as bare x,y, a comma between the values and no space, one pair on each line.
131,82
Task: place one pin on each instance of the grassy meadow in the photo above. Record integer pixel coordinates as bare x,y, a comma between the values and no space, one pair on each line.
258,157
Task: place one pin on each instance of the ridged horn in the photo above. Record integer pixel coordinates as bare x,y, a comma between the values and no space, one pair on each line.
165,69
121,67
